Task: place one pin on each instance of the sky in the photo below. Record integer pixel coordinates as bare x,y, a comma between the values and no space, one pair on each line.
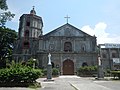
95,17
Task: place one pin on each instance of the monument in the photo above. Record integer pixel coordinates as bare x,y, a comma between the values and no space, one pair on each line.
100,69
49,68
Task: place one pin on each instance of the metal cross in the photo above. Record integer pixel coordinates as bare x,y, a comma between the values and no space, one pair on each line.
33,7
67,17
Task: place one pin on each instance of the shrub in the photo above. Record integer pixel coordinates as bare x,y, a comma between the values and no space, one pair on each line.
87,71
44,71
115,74
107,72
30,62
55,72
18,73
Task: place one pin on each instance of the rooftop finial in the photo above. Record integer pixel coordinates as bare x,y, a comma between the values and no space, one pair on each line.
33,11
67,17
33,7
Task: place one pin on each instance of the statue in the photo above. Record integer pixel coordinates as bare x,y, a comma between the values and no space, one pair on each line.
49,68
49,59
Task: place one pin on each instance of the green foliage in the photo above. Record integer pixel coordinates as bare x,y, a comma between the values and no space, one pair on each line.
107,72
18,73
3,5
88,68
55,72
115,74
44,71
4,15
30,62
87,71
7,38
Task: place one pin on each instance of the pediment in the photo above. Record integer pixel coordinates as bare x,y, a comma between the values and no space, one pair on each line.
67,30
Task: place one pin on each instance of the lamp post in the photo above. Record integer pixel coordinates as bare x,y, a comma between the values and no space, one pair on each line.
34,63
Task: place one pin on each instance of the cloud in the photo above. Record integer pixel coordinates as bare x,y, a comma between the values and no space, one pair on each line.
100,32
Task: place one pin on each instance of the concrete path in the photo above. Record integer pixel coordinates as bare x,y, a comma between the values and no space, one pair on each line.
73,83
79,83
59,83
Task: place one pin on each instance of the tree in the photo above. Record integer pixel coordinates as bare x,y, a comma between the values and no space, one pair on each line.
4,14
7,38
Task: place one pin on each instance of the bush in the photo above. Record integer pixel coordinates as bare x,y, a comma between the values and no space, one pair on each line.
30,62
55,72
107,72
87,71
18,73
44,71
115,74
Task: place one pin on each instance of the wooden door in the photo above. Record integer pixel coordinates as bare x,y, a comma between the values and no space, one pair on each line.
68,67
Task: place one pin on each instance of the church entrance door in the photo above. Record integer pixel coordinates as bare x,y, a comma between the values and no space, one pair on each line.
68,67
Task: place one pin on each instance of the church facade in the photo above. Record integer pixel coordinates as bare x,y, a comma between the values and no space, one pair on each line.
70,47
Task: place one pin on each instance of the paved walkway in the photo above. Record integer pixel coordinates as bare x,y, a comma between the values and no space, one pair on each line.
60,83
73,83
78,83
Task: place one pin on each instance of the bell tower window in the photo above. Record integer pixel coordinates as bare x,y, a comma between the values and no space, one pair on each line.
67,47
28,23
25,44
27,33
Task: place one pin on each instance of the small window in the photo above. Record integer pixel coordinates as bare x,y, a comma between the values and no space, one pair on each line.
27,23
67,47
83,49
113,55
27,33
26,44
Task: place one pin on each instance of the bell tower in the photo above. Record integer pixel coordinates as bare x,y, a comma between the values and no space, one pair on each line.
30,25
30,28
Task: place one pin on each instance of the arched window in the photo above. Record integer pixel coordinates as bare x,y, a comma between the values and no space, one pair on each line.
83,48
67,47
84,64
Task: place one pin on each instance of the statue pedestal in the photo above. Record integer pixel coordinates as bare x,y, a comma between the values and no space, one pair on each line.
49,71
100,73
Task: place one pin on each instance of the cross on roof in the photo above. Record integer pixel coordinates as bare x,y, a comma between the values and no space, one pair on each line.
33,7
67,17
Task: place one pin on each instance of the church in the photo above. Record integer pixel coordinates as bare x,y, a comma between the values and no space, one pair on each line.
70,47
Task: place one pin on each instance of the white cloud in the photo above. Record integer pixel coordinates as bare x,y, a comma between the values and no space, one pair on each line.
100,32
